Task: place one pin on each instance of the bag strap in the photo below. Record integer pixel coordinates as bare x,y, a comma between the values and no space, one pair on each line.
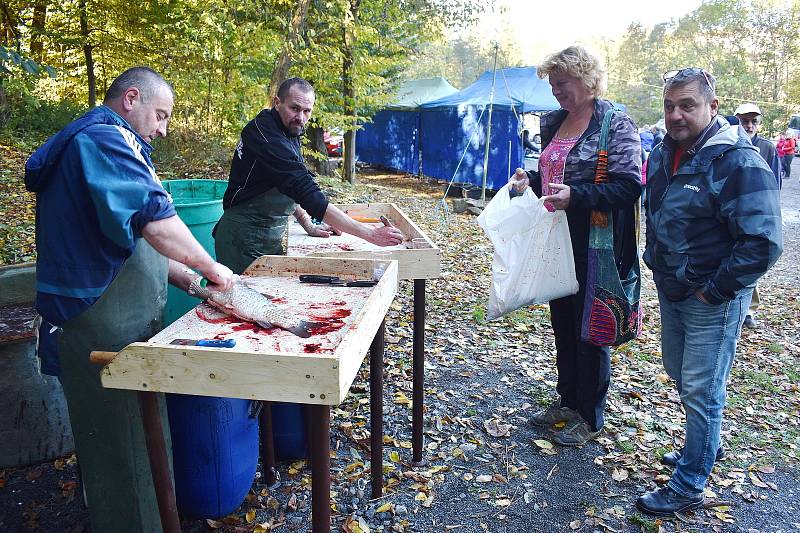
599,219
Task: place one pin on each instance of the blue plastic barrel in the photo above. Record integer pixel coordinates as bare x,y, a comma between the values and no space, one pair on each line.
289,431
215,453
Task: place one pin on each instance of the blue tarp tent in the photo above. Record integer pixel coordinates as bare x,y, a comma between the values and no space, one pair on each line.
450,123
391,140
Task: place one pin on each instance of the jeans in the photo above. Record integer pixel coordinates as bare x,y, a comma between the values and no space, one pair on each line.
698,344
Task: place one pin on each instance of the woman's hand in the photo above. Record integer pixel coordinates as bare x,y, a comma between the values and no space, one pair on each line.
518,181
559,200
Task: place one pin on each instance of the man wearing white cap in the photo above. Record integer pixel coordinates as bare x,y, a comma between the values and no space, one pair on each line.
749,116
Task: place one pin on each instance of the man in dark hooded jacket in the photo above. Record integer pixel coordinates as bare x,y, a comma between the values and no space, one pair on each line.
713,228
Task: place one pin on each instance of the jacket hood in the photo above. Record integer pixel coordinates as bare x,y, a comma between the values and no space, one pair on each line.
41,164
726,138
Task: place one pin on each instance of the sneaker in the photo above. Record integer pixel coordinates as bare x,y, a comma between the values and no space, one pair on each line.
553,415
577,432
750,322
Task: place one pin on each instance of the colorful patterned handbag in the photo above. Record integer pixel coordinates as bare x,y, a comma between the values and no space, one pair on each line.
612,312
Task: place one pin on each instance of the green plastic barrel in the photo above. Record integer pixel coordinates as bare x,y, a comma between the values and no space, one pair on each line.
199,205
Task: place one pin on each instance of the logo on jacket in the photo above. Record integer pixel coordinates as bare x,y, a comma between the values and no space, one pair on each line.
694,188
239,148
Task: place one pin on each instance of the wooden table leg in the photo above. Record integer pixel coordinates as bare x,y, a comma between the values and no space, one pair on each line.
376,410
418,396
267,443
320,468
159,462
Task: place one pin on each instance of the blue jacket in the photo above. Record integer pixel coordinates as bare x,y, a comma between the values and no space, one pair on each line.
96,188
716,223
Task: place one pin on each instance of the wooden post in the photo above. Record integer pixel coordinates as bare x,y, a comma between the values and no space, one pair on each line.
267,443
159,462
376,410
320,468
418,392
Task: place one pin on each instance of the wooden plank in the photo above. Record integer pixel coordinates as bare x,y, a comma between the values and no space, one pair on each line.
232,374
423,263
271,365
352,350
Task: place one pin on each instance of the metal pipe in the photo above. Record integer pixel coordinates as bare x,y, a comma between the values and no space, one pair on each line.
267,443
489,127
320,468
159,462
376,410
418,392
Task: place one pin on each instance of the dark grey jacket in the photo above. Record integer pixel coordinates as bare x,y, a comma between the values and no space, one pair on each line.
716,223
619,195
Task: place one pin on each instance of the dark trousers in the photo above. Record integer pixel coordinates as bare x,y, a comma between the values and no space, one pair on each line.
786,163
584,370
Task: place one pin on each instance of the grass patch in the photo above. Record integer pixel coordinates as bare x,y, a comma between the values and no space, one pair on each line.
647,525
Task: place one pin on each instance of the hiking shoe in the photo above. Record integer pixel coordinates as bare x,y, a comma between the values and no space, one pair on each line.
577,432
665,502
672,458
553,415
750,322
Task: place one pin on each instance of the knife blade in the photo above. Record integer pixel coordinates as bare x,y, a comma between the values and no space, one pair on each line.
209,343
319,278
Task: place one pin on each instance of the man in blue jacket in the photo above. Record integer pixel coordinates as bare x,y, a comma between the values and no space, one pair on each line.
713,228
107,240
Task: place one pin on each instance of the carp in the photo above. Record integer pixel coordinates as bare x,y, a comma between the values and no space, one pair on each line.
247,304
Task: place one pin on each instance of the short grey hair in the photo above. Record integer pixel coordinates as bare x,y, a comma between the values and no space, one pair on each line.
705,80
147,80
303,85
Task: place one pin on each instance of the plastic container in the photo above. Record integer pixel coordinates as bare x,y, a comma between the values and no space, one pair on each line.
289,431
215,453
199,205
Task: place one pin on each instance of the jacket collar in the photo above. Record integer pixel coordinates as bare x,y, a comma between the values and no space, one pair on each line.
279,122
552,121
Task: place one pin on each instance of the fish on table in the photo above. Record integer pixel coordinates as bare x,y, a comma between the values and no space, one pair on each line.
250,305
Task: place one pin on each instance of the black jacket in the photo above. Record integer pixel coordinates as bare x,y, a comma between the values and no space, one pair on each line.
268,157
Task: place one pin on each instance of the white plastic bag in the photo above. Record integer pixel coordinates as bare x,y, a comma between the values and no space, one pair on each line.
533,260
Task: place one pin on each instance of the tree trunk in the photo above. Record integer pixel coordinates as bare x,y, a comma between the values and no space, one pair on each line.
349,93
37,30
8,28
316,141
4,112
284,60
87,52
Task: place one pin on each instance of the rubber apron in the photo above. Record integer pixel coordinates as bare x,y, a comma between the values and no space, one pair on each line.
251,229
107,423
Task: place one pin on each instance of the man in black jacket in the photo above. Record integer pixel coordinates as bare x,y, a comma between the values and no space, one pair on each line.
269,181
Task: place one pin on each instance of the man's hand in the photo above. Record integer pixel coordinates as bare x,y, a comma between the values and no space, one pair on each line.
385,236
559,200
702,297
518,181
321,230
220,276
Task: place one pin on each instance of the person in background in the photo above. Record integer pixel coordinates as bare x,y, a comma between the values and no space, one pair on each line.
658,135
269,181
646,137
713,228
786,147
107,240
570,139
749,116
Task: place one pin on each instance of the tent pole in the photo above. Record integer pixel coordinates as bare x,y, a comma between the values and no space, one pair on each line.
489,127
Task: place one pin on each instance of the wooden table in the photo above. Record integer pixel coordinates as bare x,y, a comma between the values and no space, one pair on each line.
419,264
271,365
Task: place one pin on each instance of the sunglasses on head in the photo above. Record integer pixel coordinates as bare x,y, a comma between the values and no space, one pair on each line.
668,75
